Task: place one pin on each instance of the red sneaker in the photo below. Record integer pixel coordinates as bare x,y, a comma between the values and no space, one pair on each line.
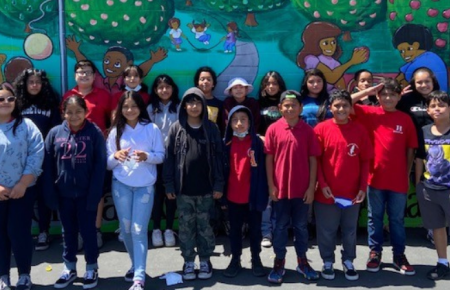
374,262
402,264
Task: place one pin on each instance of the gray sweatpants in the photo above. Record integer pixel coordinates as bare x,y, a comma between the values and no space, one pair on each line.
329,217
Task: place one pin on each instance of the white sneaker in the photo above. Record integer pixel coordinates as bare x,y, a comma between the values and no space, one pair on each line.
266,243
157,239
5,283
169,238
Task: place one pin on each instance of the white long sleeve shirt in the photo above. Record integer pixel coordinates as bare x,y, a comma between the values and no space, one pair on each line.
146,138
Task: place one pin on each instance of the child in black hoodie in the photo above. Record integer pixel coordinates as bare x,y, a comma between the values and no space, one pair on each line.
75,165
193,174
247,192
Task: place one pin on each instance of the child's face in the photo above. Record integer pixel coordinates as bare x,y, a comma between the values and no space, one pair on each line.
239,92
133,79
365,81
130,110
175,25
423,83
240,122
290,109
194,108
328,46
84,76
388,99
164,92
408,51
114,63
314,85
74,115
8,104
34,85
438,111
340,109
205,82
272,88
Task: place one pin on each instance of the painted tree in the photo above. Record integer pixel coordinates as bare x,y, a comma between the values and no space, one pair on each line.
28,11
130,23
348,15
250,7
435,16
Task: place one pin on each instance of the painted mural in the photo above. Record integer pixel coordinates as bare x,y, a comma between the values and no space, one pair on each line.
244,38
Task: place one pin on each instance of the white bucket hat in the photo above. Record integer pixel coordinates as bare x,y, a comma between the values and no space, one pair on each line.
237,81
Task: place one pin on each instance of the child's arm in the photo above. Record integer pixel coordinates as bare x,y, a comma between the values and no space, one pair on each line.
419,169
326,190
309,194
410,154
366,92
273,191
155,56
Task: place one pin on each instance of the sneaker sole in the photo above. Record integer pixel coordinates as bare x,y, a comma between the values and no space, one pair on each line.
41,248
279,281
189,277
90,286
306,277
351,278
170,244
128,279
62,286
373,270
204,276
403,272
328,277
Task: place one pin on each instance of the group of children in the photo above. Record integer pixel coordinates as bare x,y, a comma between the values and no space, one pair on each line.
297,148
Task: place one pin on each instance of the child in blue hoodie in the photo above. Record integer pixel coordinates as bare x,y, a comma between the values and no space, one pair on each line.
247,193
74,166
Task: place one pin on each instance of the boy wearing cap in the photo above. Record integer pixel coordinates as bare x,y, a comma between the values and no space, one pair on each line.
291,149
342,172
237,91
193,175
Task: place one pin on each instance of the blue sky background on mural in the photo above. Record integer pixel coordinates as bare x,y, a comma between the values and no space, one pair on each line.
277,39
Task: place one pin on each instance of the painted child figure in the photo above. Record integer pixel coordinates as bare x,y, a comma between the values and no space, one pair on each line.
343,169
394,139
247,193
292,149
433,188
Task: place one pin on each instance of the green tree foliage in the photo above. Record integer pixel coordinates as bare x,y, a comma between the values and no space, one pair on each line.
25,11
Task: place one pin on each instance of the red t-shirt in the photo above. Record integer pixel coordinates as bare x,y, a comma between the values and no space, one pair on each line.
291,148
116,97
98,103
239,179
391,133
344,163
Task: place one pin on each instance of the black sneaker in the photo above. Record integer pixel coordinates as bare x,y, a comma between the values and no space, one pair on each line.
24,282
66,278
43,242
205,271
258,268
90,279
129,275
438,272
349,271
233,268
189,271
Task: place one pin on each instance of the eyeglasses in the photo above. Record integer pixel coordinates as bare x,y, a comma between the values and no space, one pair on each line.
7,99
84,73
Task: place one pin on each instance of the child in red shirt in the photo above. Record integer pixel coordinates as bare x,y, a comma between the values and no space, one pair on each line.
342,174
291,147
394,139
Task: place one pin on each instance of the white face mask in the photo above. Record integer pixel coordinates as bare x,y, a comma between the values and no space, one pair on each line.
240,135
136,89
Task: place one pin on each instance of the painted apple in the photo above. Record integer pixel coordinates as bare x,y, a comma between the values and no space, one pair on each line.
442,26
432,12
415,4
440,42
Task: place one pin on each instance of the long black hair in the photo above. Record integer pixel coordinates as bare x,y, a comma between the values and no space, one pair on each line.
120,121
263,102
412,82
323,95
16,113
45,100
163,78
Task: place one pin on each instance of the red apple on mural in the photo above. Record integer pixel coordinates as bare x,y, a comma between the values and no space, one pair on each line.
440,42
432,12
446,13
409,17
415,4
442,26
392,15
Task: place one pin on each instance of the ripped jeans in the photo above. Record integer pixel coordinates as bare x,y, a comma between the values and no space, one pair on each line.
134,208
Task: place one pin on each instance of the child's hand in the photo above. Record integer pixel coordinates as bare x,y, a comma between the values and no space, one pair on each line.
327,193
4,193
171,195
374,90
122,155
141,156
72,43
217,195
18,191
406,90
309,196
359,197
158,55
273,193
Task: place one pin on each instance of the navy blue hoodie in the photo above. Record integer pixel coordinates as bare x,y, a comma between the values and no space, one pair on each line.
75,164
259,192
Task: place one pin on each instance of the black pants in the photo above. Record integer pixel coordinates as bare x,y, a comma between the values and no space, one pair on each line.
44,212
160,200
238,213
15,232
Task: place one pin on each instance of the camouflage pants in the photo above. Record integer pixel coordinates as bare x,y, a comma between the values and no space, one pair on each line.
194,227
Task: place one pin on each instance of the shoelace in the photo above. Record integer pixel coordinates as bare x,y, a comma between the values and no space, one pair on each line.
23,280
204,267
42,238
89,275
65,275
190,267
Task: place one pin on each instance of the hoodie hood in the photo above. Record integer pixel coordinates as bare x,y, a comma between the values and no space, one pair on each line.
182,113
229,129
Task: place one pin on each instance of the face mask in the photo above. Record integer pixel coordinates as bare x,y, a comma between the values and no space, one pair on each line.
240,135
136,89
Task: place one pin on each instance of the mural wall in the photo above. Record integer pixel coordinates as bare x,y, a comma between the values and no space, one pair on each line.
243,38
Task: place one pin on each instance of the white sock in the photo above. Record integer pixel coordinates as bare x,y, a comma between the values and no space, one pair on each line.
443,261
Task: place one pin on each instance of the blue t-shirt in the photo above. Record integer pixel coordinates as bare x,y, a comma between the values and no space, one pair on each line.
310,109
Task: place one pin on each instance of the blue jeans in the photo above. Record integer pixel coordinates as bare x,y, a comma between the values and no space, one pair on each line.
134,208
287,210
268,221
379,201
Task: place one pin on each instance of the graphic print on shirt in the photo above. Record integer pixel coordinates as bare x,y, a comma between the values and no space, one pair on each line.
438,162
398,129
353,149
251,154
